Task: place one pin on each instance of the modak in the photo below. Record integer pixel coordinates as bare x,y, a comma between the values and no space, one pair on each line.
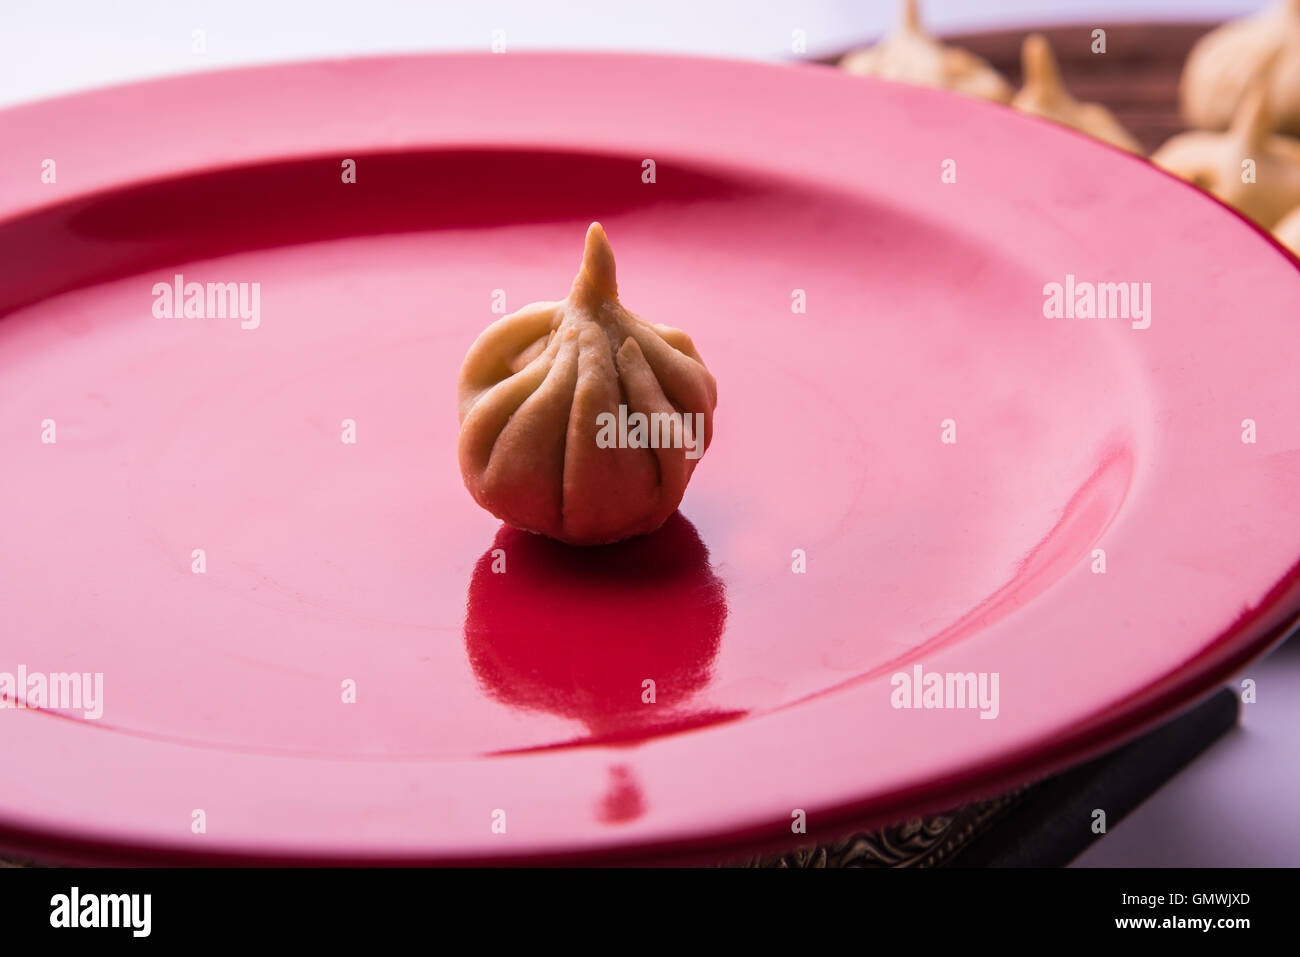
911,55
1248,167
1045,95
578,419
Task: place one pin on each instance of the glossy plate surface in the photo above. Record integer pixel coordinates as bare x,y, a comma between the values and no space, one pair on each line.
330,562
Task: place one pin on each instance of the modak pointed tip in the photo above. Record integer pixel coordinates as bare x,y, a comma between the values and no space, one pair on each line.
910,18
596,277
596,238
1039,65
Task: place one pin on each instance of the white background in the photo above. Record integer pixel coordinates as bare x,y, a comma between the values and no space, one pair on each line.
1237,804
56,46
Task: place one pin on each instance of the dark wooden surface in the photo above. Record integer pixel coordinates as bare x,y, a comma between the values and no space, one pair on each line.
1137,76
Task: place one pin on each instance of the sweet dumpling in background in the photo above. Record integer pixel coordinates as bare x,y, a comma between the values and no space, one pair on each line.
544,444
1288,231
910,55
1045,95
1222,163
1224,63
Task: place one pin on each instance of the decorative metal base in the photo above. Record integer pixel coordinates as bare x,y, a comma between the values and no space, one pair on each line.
918,842
1047,824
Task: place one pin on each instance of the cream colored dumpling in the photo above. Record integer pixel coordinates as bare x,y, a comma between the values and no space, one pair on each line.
1223,64
1045,95
1248,167
580,420
910,55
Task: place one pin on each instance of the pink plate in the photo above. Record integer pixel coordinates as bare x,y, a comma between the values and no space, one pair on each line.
518,697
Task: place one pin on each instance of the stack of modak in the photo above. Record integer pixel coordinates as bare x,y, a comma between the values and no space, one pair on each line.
911,55
1240,92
